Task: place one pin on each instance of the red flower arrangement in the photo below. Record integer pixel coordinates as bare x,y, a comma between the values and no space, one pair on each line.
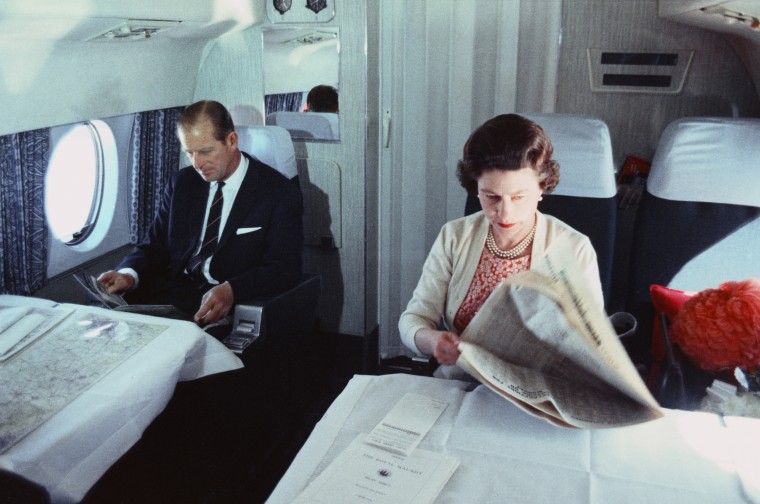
719,329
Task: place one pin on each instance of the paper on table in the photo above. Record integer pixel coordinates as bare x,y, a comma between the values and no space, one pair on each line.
21,326
404,426
11,315
20,329
365,473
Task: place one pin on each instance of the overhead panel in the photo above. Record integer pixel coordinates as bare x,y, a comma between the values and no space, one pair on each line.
739,17
658,72
135,29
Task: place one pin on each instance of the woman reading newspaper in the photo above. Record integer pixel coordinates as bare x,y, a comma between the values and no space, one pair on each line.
520,293
508,163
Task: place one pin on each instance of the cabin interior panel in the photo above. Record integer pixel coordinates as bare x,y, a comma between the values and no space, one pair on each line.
110,79
52,59
415,78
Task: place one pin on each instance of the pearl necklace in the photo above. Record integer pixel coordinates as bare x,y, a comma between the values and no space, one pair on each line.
515,251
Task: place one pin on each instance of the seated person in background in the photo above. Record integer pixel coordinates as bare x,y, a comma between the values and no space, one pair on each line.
508,163
229,227
322,98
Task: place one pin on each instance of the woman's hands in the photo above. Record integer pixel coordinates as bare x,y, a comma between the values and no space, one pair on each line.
443,345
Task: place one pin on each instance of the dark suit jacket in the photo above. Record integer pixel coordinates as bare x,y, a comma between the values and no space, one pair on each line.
256,262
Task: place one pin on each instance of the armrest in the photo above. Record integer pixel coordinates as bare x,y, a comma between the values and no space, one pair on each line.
279,319
421,365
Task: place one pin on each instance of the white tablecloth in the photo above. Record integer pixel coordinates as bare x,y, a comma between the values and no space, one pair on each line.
509,456
70,451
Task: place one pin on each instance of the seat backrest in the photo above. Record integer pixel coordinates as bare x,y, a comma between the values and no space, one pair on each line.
312,125
698,222
271,145
281,318
585,196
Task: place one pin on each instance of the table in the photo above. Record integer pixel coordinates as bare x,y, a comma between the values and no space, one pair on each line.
507,455
77,443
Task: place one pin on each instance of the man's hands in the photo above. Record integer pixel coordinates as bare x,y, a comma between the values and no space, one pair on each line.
215,305
115,282
442,345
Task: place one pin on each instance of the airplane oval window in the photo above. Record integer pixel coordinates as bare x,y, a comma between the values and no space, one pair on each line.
77,183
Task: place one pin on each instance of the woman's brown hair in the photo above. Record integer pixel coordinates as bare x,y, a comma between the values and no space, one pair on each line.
508,142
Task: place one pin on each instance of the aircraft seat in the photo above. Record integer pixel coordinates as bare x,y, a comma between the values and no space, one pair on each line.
271,145
307,125
698,222
280,319
585,196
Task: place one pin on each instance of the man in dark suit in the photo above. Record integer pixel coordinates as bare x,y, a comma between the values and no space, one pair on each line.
202,266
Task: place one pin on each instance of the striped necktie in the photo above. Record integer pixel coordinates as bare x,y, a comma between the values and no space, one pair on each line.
210,236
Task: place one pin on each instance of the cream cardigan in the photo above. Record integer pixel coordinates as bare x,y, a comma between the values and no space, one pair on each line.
450,267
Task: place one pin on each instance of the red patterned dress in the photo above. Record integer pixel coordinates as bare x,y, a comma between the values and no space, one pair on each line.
491,270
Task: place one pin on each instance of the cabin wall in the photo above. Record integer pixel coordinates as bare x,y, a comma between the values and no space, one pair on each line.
446,68
372,179
232,72
332,174
748,50
718,83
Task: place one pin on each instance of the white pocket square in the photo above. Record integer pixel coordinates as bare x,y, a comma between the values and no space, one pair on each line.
247,230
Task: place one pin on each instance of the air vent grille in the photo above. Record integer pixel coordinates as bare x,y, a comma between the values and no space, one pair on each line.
313,38
134,29
638,71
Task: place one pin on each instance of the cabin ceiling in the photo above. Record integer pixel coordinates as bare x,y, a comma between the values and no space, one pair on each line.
82,20
57,68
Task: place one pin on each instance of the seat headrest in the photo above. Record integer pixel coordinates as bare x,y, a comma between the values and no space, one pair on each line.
271,145
583,149
711,160
318,125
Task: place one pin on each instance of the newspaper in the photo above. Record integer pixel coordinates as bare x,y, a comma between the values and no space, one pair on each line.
541,342
97,292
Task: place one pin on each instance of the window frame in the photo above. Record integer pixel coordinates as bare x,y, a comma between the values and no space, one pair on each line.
97,198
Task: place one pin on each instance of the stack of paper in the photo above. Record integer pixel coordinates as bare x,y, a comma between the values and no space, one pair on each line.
385,466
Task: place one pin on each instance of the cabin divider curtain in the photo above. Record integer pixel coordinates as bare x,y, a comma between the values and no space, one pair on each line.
155,157
290,102
23,226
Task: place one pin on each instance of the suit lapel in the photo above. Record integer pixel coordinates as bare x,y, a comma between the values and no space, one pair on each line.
245,199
